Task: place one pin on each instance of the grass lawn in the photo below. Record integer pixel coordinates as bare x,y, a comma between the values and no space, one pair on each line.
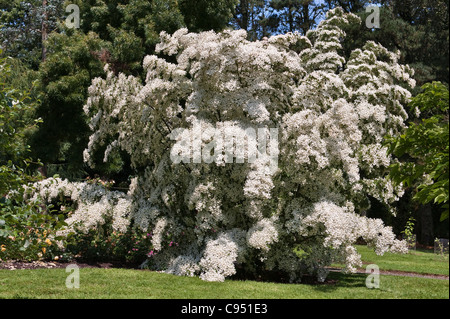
419,261
136,284
96,283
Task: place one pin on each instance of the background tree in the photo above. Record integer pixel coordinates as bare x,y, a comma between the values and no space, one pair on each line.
21,25
118,33
73,60
353,6
20,220
431,17
425,145
132,27
205,15
15,121
256,17
297,15
418,29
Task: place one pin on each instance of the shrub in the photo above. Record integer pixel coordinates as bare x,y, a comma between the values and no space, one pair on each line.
295,207
28,229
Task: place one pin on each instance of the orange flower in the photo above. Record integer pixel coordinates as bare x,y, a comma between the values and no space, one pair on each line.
3,248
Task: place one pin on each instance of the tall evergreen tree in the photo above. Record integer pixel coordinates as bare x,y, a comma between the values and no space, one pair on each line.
24,25
422,42
72,62
430,18
205,15
114,32
352,6
256,17
296,15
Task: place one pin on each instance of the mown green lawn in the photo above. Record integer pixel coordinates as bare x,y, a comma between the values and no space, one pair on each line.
137,284
420,261
98,283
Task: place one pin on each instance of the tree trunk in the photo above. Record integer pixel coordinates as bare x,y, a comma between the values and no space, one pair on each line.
426,225
44,30
43,170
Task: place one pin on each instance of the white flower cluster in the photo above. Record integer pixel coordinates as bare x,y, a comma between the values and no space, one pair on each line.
183,265
93,204
220,255
331,114
261,235
339,229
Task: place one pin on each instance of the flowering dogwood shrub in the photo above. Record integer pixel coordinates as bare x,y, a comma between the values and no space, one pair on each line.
207,217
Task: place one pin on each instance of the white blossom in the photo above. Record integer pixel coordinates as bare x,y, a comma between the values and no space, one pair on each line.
331,113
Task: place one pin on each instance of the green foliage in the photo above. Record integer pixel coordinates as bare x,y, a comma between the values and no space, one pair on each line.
114,32
140,20
22,78
24,226
425,146
408,233
15,107
422,42
440,248
409,228
27,230
21,23
296,15
353,6
106,245
205,15
64,77
431,18
13,119
253,16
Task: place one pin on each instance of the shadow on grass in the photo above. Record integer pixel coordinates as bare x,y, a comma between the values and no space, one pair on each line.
336,280
16,296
